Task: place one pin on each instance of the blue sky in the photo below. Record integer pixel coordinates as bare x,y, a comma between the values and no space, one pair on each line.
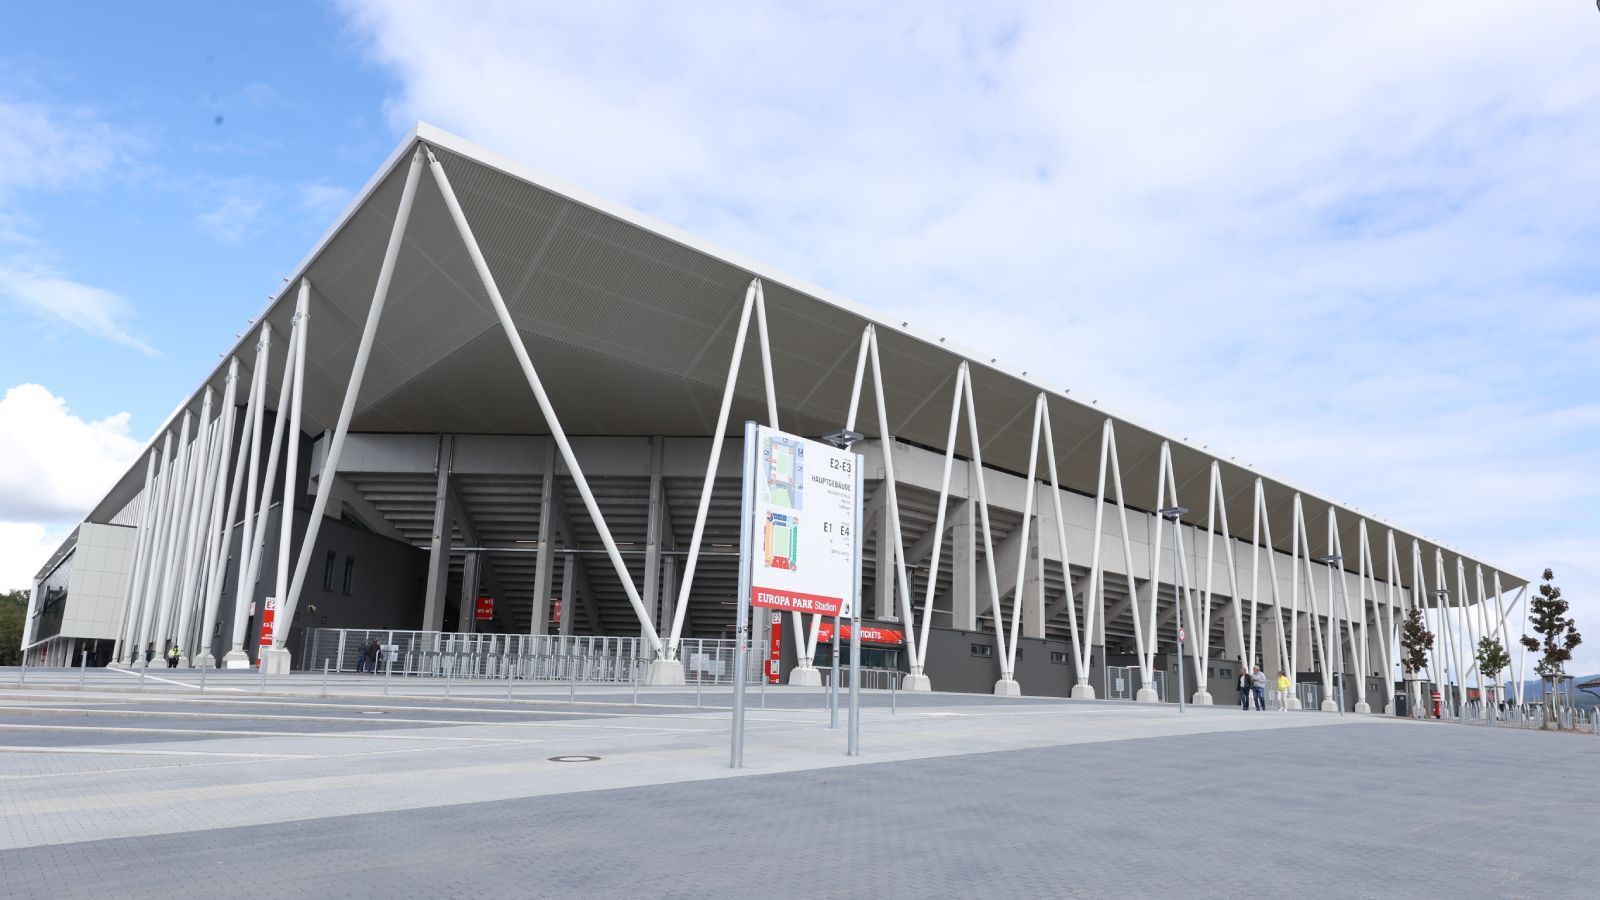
1363,238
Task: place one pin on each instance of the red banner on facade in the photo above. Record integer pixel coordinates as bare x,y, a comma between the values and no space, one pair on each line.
869,634
269,617
485,609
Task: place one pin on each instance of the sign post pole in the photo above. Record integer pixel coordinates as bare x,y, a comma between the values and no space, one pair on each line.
853,741
742,626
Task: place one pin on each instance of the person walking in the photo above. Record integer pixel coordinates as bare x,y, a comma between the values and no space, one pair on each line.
1283,692
374,655
361,659
1244,686
172,656
1258,688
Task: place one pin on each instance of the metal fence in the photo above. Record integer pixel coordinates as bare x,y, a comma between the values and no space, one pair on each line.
872,679
1122,683
586,658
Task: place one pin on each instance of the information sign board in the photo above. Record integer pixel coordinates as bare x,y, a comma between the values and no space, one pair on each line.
804,507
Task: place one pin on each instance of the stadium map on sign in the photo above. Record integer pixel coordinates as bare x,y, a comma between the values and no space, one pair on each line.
784,459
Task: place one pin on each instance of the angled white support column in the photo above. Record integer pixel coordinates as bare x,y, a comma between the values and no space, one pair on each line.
1289,646
258,540
301,330
520,350
917,679
886,438
141,551
433,598
1347,629
177,522
1096,597
255,419
189,568
222,517
718,437
347,407
1079,652
806,639
1301,550
1005,686
1008,671
152,578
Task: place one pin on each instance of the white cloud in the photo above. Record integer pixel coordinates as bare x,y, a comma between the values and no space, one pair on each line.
89,309
57,148
233,220
1351,245
24,547
54,466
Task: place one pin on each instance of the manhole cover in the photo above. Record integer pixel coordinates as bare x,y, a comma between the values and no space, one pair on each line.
574,758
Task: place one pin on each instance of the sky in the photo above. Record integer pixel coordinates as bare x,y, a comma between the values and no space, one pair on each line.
1351,243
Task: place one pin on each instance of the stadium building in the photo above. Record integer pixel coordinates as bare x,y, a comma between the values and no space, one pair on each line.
492,414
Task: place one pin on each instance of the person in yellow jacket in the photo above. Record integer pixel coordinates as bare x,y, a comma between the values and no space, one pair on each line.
1283,692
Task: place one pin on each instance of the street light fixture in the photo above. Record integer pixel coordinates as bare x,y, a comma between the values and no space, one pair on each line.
844,438
1332,561
1173,514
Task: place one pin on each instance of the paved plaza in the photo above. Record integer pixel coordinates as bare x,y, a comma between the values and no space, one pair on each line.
112,790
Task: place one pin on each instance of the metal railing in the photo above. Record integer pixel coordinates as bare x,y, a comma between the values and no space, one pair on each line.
584,658
872,679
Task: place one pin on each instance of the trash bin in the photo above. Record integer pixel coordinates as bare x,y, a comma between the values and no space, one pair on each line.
1437,703
1400,703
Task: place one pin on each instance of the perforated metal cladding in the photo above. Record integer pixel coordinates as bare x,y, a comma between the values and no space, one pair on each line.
632,331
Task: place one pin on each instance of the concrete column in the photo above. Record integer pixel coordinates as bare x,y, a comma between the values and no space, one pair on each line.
439,544
883,600
1033,584
544,560
652,540
1230,639
964,565
568,595
466,623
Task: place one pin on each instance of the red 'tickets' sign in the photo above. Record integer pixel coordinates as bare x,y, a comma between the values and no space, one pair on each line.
485,609
869,635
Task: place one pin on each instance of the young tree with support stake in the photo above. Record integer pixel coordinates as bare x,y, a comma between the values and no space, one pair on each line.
1415,642
1558,634
1493,658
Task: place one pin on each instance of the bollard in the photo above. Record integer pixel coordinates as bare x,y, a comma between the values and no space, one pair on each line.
388,669
894,691
202,675
697,679
83,667
572,693
447,671
508,684
261,664
143,670
22,674
633,671
324,677
763,685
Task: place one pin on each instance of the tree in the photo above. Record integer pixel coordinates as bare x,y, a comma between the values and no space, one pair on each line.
1492,660
1558,635
13,610
1415,642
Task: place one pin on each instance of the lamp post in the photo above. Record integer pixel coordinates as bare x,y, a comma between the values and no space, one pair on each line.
1173,514
1445,692
1332,561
